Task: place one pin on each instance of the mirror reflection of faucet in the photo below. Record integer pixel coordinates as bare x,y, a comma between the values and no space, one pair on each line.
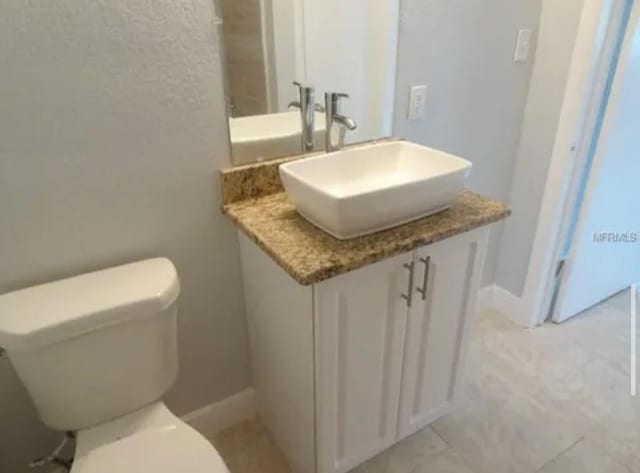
307,106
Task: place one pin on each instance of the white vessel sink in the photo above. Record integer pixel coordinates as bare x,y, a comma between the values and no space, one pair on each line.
366,189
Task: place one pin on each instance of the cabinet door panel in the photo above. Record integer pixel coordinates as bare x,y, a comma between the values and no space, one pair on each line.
438,328
360,327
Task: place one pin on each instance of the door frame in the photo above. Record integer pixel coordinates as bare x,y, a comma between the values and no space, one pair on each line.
589,72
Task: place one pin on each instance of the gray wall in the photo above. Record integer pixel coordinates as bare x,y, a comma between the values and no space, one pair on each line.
111,133
113,127
558,30
463,50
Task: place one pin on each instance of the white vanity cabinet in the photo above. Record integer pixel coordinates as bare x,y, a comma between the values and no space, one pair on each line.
360,324
348,367
438,328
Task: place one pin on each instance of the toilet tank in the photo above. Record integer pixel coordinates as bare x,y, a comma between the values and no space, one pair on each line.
97,346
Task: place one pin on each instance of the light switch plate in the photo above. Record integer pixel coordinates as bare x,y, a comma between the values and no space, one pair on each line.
523,47
417,102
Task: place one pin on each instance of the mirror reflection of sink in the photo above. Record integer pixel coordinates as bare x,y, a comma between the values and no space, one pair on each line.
370,188
259,137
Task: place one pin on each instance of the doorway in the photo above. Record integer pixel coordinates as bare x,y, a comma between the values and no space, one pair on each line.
585,248
598,253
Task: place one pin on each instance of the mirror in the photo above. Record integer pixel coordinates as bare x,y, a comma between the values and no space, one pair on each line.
332,45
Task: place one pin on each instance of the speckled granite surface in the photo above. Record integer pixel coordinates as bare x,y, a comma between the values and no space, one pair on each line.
259,179
310,255
251,181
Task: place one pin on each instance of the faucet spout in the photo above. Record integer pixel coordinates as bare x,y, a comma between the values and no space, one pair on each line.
347,122
333,117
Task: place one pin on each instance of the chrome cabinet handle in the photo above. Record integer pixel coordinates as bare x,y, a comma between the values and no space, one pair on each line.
409,296
423,290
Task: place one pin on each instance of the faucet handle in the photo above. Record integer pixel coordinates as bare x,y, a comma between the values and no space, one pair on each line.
296,104
335,96
303,87
332,101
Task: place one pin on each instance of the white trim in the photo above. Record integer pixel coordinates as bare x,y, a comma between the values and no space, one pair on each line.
484,303
634,340
585,75
510,306
391,23
498,299
211,419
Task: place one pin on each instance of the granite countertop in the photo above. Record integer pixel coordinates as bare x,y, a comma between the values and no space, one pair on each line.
254,199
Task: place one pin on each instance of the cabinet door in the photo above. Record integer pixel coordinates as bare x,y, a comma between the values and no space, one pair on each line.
360,323
447,280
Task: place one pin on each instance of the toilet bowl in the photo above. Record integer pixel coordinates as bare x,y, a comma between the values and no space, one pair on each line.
96,353
151,440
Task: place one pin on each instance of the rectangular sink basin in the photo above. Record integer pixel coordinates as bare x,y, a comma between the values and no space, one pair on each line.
370,188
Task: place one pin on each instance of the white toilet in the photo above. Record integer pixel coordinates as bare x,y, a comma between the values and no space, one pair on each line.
96,353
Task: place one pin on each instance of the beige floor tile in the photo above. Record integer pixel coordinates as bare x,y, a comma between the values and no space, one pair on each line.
446,462
604,331
621,301
406,455
553,399
620,438
507,422
598,395
500,429
527,356
232,440
584,457
248,448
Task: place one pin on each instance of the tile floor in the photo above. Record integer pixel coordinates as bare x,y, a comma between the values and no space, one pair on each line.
551,400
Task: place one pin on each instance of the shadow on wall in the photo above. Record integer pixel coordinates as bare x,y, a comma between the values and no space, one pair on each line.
558,31
17,411
476,92
112,132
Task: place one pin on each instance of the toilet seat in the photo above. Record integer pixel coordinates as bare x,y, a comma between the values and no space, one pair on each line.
149,441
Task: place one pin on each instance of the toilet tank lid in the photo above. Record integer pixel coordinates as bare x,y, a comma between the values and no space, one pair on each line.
52,312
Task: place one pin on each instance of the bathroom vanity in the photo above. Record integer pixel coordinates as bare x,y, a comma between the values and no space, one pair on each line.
355,344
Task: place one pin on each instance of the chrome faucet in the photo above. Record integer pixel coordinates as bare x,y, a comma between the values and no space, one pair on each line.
307,107
332,115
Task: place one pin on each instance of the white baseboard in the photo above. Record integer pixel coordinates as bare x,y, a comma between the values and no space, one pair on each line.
498,299
509,306
484,302
211,419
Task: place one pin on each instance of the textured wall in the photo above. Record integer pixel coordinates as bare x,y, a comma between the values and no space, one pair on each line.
463,50
245,63
558,30
111,133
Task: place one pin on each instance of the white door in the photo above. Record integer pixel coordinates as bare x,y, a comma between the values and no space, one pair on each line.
447,280
360,320
603,254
